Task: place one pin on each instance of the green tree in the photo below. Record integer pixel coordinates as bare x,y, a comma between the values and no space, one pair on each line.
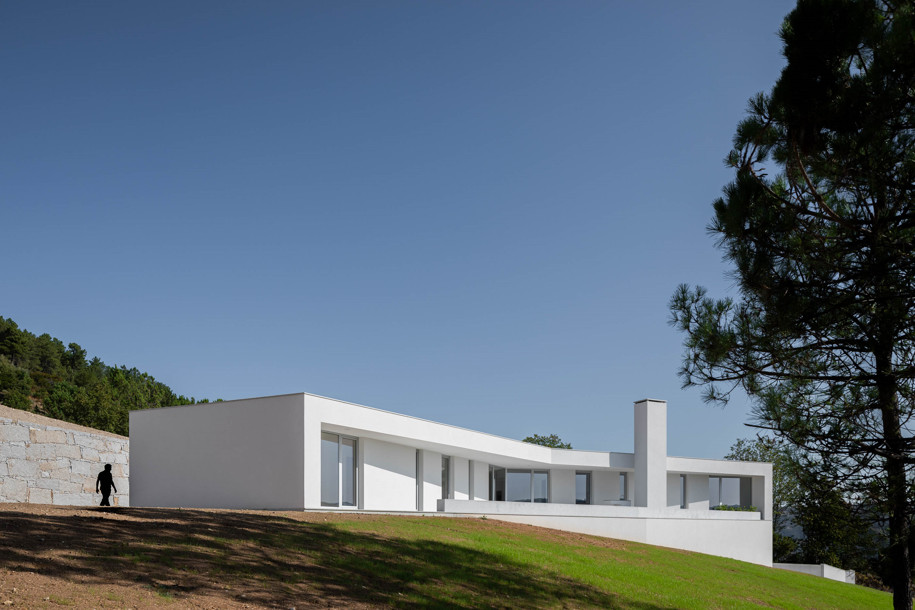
547,441
74,358
39,373
836,530
819,224
15,385
13,342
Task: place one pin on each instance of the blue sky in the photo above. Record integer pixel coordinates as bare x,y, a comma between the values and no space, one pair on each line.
471,212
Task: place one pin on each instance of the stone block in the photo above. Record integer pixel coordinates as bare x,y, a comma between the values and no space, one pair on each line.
4,471
47,483
14,433
12,450
85,440
94,442
60,474
83,468
88,479
71,487
41,451
47,436
113,458
13,490
69,451
40,496
73,499
89,453
22,468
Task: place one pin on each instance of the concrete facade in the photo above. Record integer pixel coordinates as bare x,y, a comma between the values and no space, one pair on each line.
301,451
47,461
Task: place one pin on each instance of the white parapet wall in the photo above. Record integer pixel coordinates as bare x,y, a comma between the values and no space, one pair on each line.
738,535
48,461
822,570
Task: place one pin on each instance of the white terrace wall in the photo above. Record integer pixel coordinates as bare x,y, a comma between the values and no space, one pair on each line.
48,461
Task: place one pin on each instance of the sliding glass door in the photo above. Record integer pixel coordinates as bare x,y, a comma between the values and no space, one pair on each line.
338,470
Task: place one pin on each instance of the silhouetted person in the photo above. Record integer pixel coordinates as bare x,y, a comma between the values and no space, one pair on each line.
106,482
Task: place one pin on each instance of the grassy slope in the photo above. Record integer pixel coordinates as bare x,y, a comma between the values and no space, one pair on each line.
225,558
583,570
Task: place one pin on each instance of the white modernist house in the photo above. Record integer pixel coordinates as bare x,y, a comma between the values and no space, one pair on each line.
300,451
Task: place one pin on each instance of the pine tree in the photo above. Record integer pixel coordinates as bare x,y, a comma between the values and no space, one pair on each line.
819,224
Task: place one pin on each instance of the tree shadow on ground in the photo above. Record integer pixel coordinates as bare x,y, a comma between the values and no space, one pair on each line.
271,560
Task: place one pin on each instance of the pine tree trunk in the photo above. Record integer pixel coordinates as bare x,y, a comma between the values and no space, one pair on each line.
900,569
897,486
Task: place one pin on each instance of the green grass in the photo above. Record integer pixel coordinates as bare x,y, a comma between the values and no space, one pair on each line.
466,563
291,559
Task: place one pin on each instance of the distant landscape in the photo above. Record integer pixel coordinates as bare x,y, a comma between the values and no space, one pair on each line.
39,373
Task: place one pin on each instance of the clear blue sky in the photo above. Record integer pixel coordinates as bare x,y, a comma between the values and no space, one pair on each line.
471,212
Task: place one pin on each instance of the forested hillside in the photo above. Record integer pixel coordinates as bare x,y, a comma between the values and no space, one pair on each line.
37,373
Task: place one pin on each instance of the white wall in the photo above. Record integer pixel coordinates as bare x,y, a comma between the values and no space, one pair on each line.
388,476
432,480
673,490
697,496
605,487
562,486
823,570
480,482
650,443
238,454
742,536
460,478
762,494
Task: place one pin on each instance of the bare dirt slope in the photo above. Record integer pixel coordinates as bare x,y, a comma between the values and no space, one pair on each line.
52,556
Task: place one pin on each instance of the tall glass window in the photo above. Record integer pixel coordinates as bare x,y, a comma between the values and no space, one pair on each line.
624,491
521,485
330,481
446,477
541,488
582,488
338,470
518,486
496,483
348,471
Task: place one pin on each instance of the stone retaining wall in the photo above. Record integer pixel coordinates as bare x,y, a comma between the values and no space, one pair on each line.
48,461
